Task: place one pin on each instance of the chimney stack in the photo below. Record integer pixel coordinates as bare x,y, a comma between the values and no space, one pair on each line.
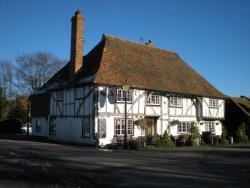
76,52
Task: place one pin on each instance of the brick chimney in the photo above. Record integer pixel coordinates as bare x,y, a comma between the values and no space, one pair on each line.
76,52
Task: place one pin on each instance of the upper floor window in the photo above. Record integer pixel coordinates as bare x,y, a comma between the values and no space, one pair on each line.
175,102
121,96
59,95
79,92
120,127
182,127
153,98
213,103
209,126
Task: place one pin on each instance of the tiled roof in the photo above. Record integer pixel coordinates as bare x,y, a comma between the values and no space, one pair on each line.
243,103
147,67
116,61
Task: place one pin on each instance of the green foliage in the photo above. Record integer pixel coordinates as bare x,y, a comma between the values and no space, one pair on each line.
19,113
164,141
141,123
224,132
194,131
241,134
3,106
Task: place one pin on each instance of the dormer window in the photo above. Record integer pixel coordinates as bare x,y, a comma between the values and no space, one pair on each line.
153,98
175,102
121,96
213,103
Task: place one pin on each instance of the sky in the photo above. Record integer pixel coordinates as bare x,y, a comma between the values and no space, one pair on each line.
212,36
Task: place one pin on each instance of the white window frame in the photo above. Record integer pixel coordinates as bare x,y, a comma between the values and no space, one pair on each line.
38,125
79,92
153,98
59,95
213,103
182,127
210,126
120,126
175,102
120,96
86,127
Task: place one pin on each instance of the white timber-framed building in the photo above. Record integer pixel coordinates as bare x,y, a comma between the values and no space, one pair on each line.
84,101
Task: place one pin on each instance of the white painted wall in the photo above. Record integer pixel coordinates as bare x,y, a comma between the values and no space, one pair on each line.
44,126
213,112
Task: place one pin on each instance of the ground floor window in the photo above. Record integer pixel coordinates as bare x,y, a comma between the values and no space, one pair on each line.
120,126
38,125
209,126
102,128
182,127
52,126
86,127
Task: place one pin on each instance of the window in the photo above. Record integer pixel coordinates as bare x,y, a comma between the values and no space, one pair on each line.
153,99
59,95
209,126
79,92
120,127
86,127
102,128
175,102
121,96
52,126
213,103
182,127
38,125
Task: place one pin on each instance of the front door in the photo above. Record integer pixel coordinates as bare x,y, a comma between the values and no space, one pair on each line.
150,130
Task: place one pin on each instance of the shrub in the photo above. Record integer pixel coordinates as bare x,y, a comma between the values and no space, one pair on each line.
134,144
206,137
165,141
183,140
194,131
155,141
11,126
223,141
241,134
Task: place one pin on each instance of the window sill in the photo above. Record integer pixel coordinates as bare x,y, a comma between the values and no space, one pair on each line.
152,104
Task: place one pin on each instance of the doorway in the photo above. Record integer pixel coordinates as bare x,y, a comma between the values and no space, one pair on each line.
150,130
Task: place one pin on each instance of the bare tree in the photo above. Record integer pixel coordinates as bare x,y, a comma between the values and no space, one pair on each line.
33,70
6,78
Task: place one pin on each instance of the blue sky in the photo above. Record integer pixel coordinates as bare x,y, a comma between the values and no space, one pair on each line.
212,36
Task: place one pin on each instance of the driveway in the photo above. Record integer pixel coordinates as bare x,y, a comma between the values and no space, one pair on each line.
38,164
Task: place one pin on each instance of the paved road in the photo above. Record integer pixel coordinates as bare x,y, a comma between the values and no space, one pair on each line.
35,164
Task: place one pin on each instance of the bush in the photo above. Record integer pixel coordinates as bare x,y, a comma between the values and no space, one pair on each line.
241,135
194,131
155,141
183,140
134,144
223,141
11,126
206,137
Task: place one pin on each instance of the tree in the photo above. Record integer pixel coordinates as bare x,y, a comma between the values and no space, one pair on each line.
6,78
33,70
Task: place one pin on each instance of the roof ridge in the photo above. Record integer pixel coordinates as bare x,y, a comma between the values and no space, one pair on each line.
137,43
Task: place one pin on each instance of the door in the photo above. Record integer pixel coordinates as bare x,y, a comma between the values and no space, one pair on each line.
150,130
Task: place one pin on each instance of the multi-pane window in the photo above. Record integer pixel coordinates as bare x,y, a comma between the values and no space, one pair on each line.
120,127
79,92
86,127
209,126
182,127
213,103
38,125
153,99
59,95
121,95
52,126
175,102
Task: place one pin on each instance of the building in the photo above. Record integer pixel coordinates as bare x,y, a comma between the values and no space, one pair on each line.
84,101
237,114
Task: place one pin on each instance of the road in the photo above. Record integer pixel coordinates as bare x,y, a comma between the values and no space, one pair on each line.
39,164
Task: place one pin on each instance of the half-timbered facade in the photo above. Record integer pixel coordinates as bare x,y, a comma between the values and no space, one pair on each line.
84,101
